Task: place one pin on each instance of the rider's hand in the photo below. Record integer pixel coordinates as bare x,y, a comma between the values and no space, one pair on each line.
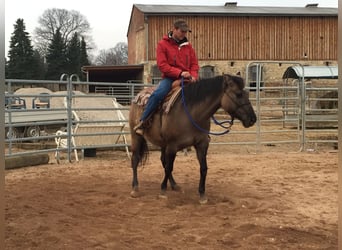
186,75
192,80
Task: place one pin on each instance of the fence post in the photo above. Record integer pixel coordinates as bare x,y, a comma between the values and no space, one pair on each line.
10,128
69,124
302,108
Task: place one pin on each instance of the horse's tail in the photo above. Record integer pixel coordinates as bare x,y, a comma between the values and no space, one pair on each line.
142,151
138,144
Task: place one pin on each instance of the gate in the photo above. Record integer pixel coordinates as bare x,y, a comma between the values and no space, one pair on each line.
298,108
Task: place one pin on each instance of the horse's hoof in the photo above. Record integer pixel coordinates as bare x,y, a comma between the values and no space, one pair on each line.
203,200
134,194
177,188
162,195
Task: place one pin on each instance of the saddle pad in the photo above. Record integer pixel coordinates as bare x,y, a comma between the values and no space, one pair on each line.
143,96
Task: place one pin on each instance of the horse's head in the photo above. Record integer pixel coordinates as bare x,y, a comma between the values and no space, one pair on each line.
235,100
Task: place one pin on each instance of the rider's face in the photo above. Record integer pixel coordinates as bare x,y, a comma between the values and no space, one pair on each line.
179,34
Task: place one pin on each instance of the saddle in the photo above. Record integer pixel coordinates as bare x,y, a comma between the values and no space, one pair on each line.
142,97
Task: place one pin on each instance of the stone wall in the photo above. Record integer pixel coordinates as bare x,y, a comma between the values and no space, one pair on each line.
272,71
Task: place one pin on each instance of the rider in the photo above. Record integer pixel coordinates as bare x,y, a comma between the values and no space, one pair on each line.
176,58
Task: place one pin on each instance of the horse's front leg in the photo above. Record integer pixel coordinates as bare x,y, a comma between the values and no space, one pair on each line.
173,183
169,158
201,152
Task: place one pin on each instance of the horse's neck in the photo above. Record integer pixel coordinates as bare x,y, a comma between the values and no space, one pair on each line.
207,107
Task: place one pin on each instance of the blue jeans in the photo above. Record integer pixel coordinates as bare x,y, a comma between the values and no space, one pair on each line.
157,97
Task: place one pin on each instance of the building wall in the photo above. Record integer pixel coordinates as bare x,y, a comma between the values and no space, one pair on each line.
229,43
136,38
253,38
271,71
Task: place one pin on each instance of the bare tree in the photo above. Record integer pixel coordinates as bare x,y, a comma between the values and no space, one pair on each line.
105,57
67,22
113,56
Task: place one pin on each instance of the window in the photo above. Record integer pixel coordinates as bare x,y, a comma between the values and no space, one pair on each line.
206,72
254,72
156,75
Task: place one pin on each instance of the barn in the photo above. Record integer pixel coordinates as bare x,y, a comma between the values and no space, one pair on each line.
228,37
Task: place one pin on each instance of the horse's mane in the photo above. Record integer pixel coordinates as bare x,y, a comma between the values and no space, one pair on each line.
195,93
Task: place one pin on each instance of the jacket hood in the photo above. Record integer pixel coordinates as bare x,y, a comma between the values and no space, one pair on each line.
169,37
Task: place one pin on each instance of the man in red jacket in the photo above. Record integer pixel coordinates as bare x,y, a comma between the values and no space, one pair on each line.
176,58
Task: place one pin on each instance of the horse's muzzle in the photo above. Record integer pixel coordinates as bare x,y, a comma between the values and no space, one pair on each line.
251,121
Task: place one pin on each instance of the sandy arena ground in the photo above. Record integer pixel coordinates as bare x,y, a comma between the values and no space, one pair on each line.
270,200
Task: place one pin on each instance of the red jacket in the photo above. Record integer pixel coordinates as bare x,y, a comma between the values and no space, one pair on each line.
173,58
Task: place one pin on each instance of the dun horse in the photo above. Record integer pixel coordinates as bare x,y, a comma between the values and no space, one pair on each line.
183,126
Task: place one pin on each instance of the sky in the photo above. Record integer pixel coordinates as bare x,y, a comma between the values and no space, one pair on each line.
109,19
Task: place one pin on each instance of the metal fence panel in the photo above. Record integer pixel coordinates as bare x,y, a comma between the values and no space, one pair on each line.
299,113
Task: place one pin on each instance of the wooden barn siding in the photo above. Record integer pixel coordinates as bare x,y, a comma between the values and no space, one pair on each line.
136,38
253,38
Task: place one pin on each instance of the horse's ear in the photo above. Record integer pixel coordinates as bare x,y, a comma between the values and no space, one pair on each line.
227,80
230,80
240,81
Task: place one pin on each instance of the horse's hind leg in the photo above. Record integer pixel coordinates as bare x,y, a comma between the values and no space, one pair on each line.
169,159
138,148
173,183
135,183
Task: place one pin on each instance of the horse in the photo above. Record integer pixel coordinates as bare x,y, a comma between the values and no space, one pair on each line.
185,124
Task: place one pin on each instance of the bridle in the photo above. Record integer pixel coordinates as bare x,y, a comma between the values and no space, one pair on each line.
235,102
221,124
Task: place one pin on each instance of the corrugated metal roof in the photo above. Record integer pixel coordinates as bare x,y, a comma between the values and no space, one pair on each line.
235,10
112,67
312,72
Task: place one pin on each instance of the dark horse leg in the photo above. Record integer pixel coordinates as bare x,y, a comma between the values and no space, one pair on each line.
135,183
173,183
201,152
139,149
168,159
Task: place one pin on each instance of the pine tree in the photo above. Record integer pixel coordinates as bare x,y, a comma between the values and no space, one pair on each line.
21,64
83,58
6,68
39,60
73,55
56,58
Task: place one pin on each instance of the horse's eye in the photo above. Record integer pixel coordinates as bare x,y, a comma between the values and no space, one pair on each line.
239,95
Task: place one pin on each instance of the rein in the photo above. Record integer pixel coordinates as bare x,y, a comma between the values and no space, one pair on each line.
212,117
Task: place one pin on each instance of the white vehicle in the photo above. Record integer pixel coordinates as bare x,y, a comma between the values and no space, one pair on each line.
29,123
